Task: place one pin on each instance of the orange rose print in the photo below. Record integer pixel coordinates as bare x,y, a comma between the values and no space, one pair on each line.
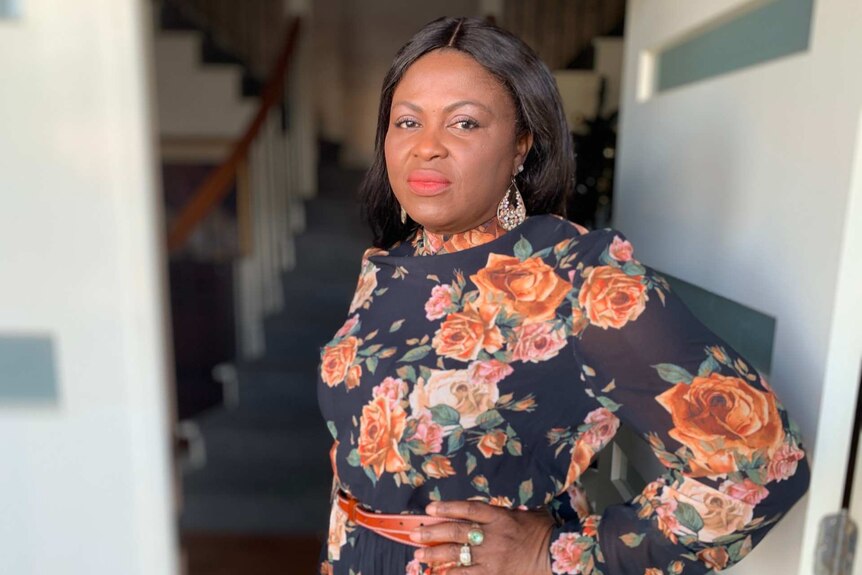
464,334
590,525
380,430
492,443
337,532
582,455
579,501
365,287
611,298
470,398
337,359
718,354
714,557
438,467
472,238
353,375
530,288
721,514
719,416
501,501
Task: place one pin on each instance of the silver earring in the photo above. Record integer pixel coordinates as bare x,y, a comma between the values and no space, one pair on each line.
511,211
403,216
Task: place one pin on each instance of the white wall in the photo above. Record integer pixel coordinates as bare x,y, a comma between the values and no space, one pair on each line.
85,484
741,184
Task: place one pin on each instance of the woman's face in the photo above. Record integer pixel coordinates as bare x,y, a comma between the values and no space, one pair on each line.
451,147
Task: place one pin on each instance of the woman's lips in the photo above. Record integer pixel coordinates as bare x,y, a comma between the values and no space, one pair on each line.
427,182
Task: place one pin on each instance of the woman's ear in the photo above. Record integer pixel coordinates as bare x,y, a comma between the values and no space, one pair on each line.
522,147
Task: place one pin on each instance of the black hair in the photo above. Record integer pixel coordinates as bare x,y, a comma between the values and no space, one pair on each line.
549,166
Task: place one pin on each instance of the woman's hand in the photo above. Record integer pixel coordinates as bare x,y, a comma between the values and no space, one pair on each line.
515,542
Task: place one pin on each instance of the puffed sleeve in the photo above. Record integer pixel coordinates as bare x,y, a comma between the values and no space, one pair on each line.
733,459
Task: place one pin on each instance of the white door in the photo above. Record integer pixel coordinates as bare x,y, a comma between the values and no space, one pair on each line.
740,171
84,422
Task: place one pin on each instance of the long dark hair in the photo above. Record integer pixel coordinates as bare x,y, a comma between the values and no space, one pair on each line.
549,167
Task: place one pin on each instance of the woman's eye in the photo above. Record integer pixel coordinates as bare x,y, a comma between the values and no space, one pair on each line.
466,124
406,123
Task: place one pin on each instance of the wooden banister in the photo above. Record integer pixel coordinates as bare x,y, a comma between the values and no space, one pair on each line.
217,186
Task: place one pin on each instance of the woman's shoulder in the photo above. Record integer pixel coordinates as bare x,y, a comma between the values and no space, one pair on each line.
568,225
372,252
557,228
578,246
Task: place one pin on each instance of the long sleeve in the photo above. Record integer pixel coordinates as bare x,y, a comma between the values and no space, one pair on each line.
733,458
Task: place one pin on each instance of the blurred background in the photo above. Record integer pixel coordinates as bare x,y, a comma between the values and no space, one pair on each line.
180,234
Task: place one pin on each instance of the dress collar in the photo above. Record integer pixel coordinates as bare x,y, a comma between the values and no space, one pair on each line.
427,243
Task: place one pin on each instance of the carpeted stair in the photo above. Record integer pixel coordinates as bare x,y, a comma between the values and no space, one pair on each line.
267,468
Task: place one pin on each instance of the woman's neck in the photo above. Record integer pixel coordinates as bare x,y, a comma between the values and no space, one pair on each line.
430,243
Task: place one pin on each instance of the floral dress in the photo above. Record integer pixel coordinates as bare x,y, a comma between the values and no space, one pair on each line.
495,365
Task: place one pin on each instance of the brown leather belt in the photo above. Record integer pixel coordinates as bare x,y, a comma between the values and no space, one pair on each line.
394,527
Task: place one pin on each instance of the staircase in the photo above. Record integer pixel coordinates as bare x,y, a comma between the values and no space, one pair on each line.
262,301
267,468
203,93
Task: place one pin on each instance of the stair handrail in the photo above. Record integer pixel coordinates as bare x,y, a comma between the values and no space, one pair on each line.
218,184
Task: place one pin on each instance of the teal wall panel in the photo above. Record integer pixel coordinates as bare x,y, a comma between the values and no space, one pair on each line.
748,331
28,370
777,29
10,8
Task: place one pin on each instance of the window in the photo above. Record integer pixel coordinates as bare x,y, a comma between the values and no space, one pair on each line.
760,34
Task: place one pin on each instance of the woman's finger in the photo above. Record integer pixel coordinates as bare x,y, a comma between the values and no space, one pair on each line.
473,511
449,532
448,556
441,554
472,570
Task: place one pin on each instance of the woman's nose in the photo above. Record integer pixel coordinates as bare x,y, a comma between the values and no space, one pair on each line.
429,144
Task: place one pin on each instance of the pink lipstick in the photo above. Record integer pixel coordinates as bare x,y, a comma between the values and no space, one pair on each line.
427,182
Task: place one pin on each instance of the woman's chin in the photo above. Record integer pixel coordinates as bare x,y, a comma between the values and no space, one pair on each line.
434,221
443,220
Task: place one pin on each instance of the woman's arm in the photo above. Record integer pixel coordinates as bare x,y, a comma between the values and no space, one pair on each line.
733,458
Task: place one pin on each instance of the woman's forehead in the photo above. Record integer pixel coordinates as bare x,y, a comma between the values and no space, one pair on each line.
447,77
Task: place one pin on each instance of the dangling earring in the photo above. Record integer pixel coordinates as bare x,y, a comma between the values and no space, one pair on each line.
511,211
403,216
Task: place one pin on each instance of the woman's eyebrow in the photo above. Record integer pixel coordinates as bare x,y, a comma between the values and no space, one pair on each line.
459,103
447,109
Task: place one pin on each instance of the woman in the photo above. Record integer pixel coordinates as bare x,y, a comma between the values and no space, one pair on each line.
488,357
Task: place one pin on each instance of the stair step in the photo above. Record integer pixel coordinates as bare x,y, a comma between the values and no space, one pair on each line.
170,18
306,511
252,440
213,53
267,466
195,99
302,289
